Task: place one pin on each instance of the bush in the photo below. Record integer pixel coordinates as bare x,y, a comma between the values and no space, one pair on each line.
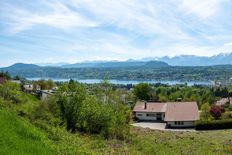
214,124
216,111
226,115
87,113
230,107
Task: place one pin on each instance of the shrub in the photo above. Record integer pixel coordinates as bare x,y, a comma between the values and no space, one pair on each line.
230,107
83,112
226,115
214,124
216,111
205,112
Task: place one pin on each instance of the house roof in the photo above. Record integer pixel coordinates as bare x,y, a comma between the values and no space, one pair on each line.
49,92
174,111
182,111
151,107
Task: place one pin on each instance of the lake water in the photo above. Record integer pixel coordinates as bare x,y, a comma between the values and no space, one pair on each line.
125,82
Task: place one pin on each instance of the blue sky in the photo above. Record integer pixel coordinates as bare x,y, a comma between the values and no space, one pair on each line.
51,31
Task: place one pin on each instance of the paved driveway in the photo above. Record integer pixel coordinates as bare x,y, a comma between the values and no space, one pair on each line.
151,125
157,126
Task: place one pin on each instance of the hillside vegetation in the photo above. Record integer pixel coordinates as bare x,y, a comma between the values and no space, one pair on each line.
20,137
17,136
31,126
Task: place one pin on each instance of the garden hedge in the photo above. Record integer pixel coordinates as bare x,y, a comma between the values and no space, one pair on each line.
214,124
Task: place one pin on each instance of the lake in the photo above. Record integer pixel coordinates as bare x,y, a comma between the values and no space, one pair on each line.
125,82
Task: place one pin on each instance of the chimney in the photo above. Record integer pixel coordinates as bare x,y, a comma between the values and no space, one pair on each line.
145,104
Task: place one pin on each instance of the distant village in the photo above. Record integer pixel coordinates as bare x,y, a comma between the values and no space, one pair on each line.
32,88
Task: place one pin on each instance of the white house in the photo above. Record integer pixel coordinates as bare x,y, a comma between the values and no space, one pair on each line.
28,88
45,94
175,114
150,112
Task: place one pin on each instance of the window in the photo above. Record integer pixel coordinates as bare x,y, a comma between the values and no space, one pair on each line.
139,114
179,123
151,115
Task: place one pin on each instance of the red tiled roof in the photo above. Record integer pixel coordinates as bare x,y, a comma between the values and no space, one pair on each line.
182,111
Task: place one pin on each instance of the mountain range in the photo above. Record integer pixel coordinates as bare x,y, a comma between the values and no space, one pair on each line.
192,60
133,70
181,60
153,64
113,64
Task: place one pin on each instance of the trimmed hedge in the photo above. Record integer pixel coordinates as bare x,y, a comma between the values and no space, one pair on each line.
214,124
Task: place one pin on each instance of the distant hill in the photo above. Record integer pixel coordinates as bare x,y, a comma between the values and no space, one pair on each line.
192,60
76,70
133,70
122,64
181,60
156,64
21,66
52,64
24,70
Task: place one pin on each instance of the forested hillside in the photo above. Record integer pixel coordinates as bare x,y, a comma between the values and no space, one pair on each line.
148,71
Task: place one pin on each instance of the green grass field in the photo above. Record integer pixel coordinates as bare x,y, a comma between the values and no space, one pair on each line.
18,136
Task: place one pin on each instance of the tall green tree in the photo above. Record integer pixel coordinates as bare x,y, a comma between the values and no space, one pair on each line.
205,112
70,99
143,91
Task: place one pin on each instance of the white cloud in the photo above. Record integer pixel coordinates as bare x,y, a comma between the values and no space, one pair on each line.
120,29
59,16
201,8
228,44
145,18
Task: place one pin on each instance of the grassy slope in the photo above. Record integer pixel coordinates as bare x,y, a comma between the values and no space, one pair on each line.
196,143
145,141
19,137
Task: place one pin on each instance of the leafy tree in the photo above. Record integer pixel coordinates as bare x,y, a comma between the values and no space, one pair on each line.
17,77
143,91
5,75
11,92
70,102
205,112
87,113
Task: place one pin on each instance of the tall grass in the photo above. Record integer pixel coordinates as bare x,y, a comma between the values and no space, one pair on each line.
19,137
